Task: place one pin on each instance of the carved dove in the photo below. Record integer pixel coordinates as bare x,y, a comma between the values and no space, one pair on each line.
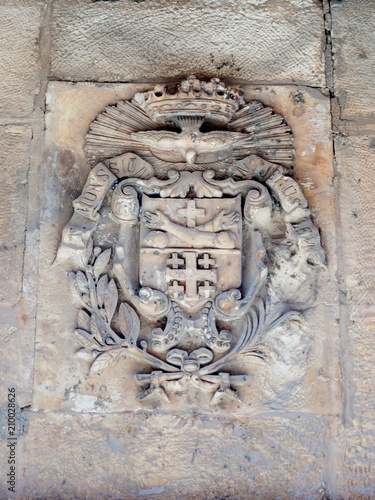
191,147
126,127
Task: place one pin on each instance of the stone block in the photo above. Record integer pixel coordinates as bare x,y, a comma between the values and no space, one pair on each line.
17,341
362,344
14,157
355,156
354,455
354,439
170,457
18,261
19,56
353,28
62,379
266,41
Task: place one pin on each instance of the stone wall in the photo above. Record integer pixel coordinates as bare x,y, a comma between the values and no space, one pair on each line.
319,446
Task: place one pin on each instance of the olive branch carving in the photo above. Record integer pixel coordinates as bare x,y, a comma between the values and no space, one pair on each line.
97,296
100,343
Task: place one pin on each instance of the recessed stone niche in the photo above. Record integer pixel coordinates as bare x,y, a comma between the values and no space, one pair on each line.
154,221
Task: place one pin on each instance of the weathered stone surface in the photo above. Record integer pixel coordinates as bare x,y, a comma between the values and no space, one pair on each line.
171,457
79,445
355,157
17,341
146,41
18,264
353,44
14,158
362,344
353,25
19,55
354,440
355,475
61,379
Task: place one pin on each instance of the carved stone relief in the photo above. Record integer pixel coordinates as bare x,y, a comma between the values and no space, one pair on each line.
215,245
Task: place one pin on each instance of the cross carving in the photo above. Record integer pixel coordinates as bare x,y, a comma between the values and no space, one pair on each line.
206,262
206,290
176,289
191,275
175,261
191,212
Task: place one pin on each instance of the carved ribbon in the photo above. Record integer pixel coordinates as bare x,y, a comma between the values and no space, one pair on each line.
76,235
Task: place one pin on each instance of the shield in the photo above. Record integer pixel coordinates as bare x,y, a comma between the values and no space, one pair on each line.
190,249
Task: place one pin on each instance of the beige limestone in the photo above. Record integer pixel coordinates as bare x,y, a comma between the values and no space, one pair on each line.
170,456
354,148
260,41
14,153
20,24
303,455
21,144
353,58
61,379
355,155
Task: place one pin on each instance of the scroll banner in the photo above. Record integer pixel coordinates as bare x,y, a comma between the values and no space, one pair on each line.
300,227
77,233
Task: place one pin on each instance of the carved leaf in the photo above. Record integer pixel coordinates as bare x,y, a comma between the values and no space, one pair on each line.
76,297
101,263
101,288
94,327
128,322
84,320
110,300
253,353
82,283
89,248
85,354
105,359
257,316
92,290
85,339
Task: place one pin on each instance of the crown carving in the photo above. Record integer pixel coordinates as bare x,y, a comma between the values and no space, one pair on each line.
211,101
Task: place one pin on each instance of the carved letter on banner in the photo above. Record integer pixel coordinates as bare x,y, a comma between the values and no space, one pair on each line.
196,239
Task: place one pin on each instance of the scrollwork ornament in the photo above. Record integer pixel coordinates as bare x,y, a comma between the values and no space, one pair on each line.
207,221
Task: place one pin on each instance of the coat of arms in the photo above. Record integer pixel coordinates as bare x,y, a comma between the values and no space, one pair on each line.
209,224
